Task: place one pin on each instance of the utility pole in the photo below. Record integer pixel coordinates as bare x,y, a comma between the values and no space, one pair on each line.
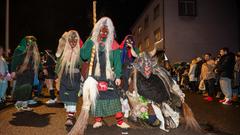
94,12
7,28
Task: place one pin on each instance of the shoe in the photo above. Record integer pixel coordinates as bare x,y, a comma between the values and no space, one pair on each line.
223,100
205,94
208,98
156,123
227,102
126,114
26,109
235,98
97,124
2,100
69,122
18,105
51,101
123,125
32,102
35,98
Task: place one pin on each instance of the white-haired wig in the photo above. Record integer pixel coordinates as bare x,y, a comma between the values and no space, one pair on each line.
68,56
104,21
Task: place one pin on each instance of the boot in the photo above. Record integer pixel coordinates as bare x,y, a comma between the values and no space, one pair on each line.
70,119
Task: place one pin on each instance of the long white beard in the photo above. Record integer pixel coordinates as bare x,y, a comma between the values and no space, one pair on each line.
108,44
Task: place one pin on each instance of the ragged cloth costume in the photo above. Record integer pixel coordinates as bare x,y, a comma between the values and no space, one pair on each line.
68,71
100,94
25,65
155,97
128,54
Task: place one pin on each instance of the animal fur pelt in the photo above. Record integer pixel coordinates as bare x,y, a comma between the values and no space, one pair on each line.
90,94
170,85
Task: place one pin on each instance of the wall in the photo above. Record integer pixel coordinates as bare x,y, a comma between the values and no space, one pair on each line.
215,26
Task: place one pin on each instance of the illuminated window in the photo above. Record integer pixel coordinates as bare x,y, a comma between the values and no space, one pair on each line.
139,29
140,46
157,35
147,42
187,7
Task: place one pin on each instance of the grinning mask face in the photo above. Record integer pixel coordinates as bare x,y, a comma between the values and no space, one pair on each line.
31,40
129,42
73,39
145,65
103,32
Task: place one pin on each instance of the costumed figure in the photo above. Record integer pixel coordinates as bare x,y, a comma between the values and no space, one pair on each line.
155,97
25,65
49,73
105,69
4,76
68,72
129,53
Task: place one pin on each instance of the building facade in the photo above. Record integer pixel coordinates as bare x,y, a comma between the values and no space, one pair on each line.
189,28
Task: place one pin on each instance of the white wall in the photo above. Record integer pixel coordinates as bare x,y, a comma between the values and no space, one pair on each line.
215,26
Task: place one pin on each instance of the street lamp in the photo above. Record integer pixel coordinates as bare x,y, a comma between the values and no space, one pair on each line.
7,28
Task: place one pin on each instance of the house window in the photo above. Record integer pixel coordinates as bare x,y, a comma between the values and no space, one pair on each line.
156,12
134,33
157,35
147,42
140,46
187,7
146,21
139,29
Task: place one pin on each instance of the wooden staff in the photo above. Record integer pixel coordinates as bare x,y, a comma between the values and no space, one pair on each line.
91,61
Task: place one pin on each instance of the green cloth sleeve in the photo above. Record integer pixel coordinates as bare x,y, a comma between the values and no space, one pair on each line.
116,61
137,51
85,51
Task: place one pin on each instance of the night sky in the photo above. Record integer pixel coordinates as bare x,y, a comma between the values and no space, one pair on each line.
48,19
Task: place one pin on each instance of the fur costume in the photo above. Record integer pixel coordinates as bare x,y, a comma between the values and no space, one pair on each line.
153,88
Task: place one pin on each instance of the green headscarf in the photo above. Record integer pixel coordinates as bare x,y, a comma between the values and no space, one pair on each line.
28,40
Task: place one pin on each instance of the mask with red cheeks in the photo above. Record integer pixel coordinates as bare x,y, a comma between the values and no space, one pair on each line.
72,40
103,32
145,64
